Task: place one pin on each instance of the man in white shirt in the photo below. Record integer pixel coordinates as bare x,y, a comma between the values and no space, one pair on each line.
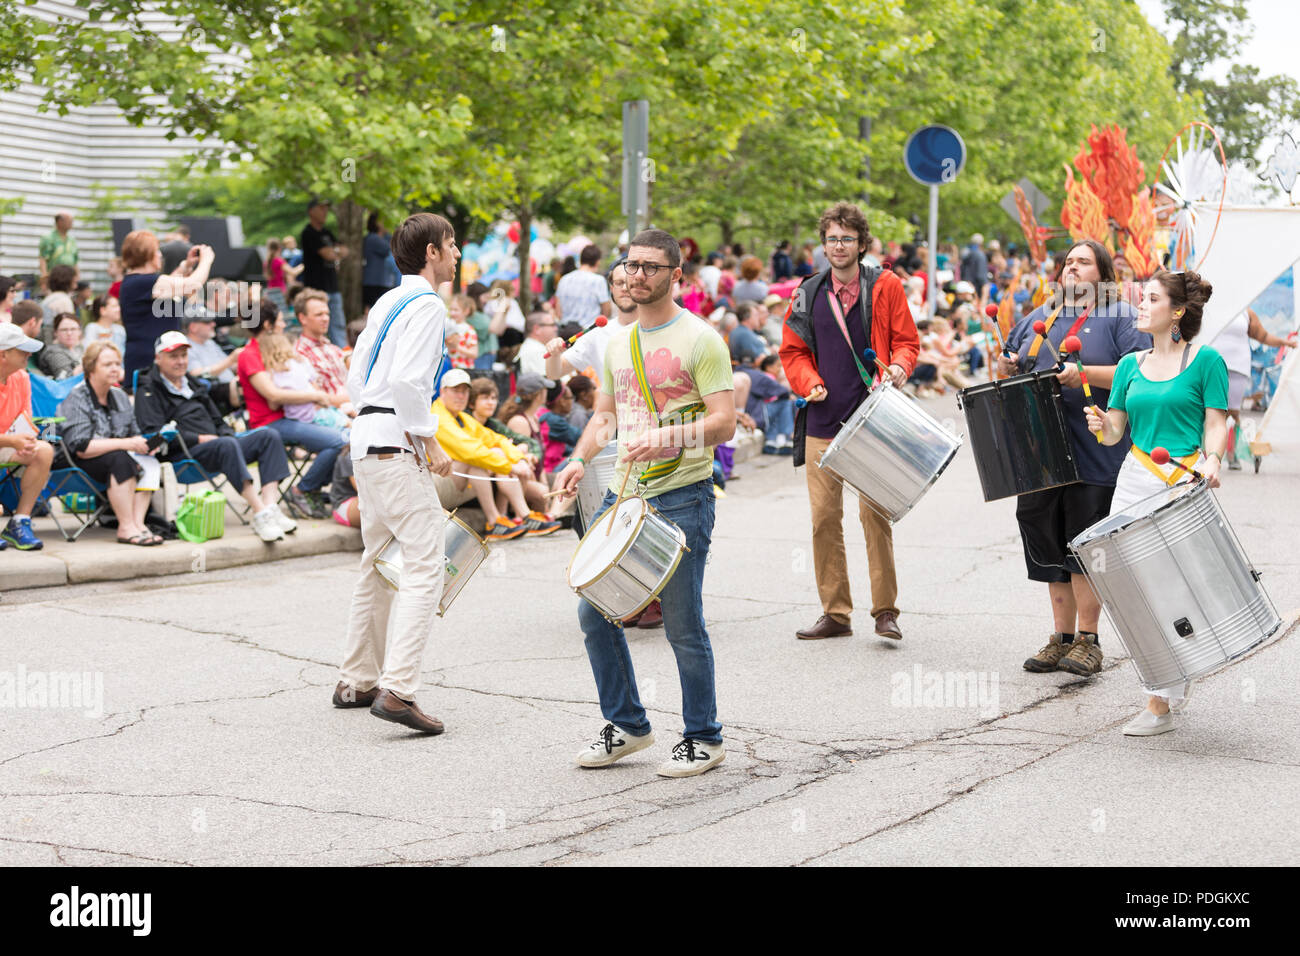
532,353
395,454
582,295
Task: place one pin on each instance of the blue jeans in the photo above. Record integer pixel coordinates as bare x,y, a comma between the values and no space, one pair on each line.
692,509
486,361
325,442
778,418
338,323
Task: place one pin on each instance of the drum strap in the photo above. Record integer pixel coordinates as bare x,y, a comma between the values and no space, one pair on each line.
1174,474
690,413
1074,329
838,309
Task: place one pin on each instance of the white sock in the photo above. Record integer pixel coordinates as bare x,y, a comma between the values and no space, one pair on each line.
18,517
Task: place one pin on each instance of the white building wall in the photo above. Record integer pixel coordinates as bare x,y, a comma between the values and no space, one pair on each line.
54,162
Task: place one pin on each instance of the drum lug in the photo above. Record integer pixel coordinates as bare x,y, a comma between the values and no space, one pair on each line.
1183,627
1255,574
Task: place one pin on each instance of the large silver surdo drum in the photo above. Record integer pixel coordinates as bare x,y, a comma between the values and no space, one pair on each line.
621,572
596,478
462,549
1176,584
890,451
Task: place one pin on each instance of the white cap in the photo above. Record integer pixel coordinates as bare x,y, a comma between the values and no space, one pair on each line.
965,287
13,337
170,342
454,377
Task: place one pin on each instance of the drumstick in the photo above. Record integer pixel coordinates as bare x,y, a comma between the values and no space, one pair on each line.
1161,456
619,500
599,323
871,356
1075,347
1040,328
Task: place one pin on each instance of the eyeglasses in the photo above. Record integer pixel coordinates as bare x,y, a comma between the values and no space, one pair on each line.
840,240
651,269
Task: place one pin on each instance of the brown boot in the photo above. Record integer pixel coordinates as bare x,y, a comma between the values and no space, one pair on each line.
652,616
1050,655
391,707
826,626
346,695
887,625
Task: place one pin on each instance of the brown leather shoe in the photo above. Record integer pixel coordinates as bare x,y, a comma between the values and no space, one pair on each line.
826,626
346,695
652,616
391,707
634,619
887,625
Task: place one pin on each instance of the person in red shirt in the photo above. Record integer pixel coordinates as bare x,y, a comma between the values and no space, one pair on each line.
18,441
306,500
835,315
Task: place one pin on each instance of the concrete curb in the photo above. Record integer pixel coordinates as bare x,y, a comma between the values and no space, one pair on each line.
96,556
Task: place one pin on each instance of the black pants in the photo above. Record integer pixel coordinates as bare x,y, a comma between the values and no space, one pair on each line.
230,454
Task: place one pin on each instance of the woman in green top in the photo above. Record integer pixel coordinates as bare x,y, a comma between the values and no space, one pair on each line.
1174,395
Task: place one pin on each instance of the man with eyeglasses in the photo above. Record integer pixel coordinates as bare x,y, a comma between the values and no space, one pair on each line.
834,317
532,353
667,388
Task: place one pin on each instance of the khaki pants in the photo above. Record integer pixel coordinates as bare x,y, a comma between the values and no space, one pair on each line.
396,498
826,495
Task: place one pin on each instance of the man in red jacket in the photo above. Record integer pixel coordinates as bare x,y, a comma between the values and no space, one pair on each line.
834,316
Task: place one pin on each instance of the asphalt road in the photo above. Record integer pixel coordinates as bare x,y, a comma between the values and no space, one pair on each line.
215,742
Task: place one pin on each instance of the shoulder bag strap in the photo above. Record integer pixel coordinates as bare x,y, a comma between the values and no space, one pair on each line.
690,413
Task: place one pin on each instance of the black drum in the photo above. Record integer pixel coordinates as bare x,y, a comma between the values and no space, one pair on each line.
1017,431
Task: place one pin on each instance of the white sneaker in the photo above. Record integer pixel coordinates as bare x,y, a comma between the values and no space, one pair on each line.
287,524
266,526
612,744
1147,724
691,757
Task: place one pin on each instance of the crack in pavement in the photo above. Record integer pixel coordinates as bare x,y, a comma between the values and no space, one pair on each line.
56,847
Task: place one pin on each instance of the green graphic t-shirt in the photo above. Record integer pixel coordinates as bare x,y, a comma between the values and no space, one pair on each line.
685,359
1170,413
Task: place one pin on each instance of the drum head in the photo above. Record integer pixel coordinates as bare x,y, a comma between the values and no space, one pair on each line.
598,551
1143,509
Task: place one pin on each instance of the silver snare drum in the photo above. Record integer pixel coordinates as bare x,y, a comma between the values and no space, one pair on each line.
1176,585
621,572
890,452
462,550
596,478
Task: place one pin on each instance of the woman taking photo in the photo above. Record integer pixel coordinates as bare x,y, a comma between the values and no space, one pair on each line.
144,283
101,435
1175,396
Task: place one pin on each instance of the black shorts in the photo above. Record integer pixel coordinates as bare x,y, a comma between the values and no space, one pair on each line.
1050,519
113,464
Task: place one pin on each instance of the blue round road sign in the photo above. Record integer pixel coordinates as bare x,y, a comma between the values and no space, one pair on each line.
934,155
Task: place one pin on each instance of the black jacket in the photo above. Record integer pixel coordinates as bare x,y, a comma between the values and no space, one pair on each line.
156,404
800,322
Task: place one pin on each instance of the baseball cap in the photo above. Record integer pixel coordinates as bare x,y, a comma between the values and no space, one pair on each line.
965,287
170,342
772,299
13,337
454,377
529,382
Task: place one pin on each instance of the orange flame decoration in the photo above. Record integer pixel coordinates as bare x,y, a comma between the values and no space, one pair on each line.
1083,212
1029,226
1112,170
1139,249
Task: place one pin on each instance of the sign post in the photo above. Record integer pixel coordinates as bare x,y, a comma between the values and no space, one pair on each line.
934,155
636,178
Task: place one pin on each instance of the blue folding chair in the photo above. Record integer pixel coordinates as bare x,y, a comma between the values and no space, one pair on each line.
47,394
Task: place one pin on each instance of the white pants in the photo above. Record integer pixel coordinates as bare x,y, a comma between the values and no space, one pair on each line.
396,498
1134,483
